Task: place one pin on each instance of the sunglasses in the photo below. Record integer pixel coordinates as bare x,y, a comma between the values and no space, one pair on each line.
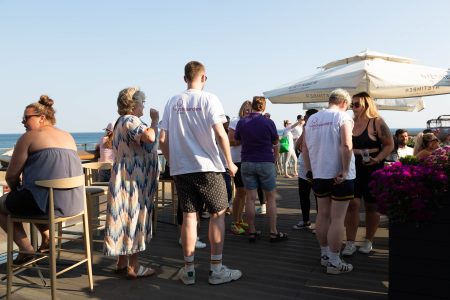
355,105
25,118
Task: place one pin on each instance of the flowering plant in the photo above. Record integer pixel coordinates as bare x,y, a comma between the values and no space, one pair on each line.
413,192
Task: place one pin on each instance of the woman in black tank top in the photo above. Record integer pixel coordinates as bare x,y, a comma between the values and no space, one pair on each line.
372,135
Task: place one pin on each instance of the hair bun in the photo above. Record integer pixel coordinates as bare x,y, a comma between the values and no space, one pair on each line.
45,100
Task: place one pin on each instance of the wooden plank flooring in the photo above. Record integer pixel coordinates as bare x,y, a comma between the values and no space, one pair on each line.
288,270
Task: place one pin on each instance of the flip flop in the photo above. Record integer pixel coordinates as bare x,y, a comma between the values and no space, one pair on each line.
142,272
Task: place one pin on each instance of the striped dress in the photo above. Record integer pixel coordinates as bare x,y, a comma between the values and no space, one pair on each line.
133,184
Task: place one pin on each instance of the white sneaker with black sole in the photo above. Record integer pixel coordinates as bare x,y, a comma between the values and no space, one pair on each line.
224,275
187,278
324,260
339,268
349,249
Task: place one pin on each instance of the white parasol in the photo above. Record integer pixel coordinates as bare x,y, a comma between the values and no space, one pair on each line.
381,75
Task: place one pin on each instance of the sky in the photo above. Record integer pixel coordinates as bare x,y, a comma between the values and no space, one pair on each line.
82,53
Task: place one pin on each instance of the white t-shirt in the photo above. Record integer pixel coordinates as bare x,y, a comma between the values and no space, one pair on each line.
297,131
402,152
323,139
287,132
235,150
188,119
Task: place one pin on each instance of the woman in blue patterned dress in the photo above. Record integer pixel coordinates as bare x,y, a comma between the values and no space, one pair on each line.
134,179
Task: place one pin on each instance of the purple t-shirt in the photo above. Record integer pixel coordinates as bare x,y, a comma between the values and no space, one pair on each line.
257,134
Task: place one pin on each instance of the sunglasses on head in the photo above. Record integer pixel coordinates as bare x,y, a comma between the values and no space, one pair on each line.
355,105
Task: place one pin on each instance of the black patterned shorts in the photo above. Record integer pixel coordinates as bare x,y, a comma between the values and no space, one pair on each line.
204,188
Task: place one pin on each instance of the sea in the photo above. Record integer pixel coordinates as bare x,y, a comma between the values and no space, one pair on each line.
84,140
88,140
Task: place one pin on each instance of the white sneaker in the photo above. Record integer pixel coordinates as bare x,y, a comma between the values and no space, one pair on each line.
224,275
324,260
349,249
198,245
301,225
187,278
341,267
262,209
366,247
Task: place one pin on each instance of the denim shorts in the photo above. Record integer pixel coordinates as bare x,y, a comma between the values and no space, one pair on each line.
261,174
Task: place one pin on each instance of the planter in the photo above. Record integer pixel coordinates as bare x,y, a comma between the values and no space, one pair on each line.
419,258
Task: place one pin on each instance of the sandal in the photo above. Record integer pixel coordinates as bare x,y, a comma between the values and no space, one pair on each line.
44,248
278,237
118,270
253,236
142,272
23,258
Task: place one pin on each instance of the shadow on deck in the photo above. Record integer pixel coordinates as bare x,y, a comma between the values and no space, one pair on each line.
289,270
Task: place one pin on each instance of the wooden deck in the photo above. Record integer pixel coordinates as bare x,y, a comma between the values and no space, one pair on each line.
289,270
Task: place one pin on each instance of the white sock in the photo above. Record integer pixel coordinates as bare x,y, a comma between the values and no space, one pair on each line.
216,263
334,257
189,263
350,243
324,251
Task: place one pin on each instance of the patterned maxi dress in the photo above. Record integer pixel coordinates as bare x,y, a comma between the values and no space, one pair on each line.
133,184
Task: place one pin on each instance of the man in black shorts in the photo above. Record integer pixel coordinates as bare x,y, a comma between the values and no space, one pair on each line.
329,159
189,145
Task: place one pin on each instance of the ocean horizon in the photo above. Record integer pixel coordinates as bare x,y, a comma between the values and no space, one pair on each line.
88,140
84,140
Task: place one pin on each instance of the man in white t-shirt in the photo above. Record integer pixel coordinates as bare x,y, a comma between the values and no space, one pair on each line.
328,154
402,142
191,125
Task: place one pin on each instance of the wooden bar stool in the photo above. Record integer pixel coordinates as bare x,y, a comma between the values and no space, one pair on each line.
52,221
161,201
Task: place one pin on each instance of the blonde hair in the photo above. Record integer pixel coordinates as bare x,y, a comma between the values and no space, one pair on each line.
44,107
367,103
125,101
338,96
422,141
244,104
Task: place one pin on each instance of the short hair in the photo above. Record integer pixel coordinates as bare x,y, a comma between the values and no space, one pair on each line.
126,101
299,117
244,104
367,103
428,130
259,103
400,131
192,70
44,107
228,118
339,96
310,112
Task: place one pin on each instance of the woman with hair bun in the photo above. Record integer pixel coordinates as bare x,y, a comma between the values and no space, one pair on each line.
43,152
